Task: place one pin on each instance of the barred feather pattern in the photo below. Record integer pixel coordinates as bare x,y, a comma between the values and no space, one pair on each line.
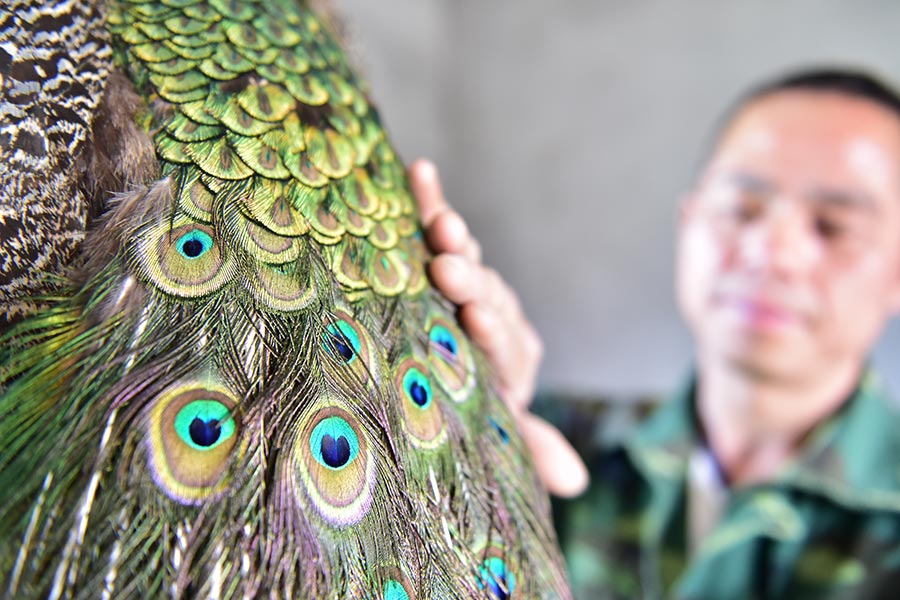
54,59
252,390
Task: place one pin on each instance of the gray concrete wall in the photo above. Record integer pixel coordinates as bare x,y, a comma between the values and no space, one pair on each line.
566,131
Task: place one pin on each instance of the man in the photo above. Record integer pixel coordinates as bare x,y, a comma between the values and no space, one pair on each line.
775,472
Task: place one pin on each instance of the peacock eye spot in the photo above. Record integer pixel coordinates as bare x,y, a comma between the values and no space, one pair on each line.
447,344
342,341
335,452
418,393
393,590
504,436
496,578
204,424
342,346
205,433
194,244
334,443
443,338
497,588
417,387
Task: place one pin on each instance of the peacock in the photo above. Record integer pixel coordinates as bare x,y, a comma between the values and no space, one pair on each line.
226,374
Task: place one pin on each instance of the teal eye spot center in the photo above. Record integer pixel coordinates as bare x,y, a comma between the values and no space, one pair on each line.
497,578
342,341
333,443
504,436
393,590
445,340
204,424
417,388
194,244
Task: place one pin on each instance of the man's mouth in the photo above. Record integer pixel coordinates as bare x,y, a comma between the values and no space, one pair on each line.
760,311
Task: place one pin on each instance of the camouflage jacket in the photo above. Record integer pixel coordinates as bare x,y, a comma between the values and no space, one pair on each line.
828,527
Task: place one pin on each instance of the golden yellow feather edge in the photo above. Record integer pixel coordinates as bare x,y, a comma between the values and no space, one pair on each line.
252,390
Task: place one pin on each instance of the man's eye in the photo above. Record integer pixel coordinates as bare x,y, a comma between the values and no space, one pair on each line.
830,228
745,209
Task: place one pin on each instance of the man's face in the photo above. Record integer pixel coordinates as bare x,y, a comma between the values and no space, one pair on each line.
789,249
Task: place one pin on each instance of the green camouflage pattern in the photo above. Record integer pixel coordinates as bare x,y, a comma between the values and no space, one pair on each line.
827,528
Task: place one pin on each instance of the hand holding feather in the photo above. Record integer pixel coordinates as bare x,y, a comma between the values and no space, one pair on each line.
492,315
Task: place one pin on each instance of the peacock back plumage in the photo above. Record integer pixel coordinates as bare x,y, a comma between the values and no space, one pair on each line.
245,385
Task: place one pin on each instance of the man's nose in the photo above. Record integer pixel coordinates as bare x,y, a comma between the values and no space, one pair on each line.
781,242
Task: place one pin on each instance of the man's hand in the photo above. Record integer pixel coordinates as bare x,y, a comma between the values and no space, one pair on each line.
492,315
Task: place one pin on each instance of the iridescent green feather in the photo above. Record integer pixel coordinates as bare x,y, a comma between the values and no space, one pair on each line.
252,390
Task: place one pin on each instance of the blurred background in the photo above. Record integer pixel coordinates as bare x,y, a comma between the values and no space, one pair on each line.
566,131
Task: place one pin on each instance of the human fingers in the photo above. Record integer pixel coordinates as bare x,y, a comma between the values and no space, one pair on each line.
463,281
426,187
490,312
445,230
557,463
448,233
512,346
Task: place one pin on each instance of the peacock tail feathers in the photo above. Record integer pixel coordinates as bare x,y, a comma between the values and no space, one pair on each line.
246,386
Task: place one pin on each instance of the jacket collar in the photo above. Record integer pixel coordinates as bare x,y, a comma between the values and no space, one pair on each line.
851,458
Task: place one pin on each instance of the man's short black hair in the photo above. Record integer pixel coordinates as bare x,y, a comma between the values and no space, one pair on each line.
850,82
